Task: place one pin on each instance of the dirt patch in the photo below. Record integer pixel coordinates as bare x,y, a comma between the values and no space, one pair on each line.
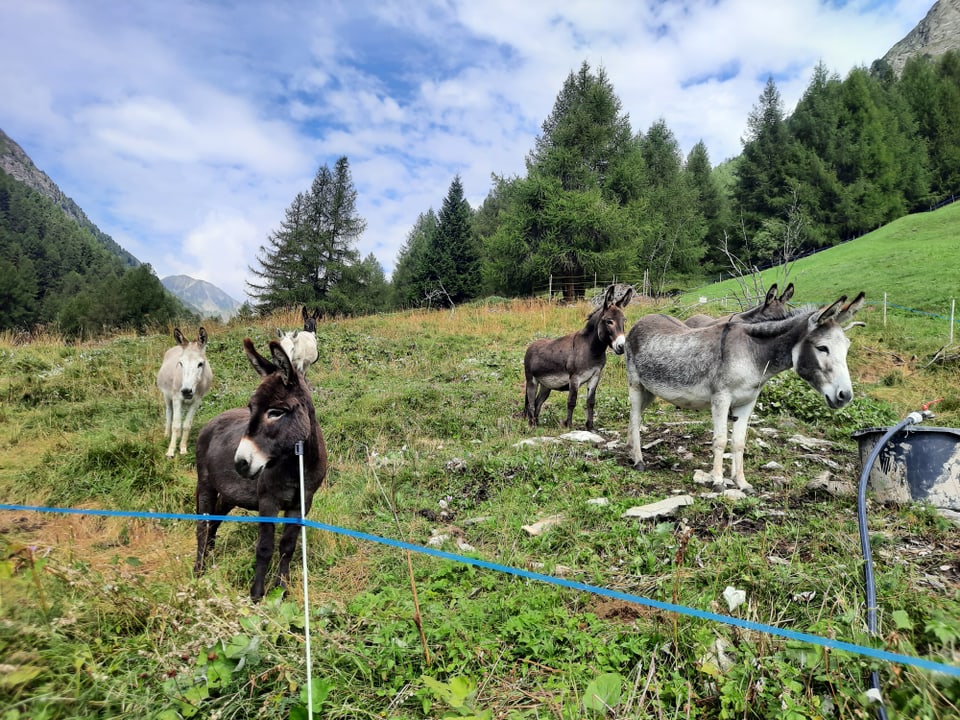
622,611
98,542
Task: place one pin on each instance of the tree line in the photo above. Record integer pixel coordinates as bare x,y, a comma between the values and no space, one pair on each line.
599,199
55,273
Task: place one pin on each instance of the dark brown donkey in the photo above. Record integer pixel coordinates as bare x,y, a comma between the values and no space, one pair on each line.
772,308
568,362
246,458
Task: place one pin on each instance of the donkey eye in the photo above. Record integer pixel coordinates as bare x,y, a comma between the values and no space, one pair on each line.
275,413
824,349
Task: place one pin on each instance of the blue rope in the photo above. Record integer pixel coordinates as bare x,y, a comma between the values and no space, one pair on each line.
874,653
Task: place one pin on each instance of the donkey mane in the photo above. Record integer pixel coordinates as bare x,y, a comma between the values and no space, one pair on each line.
774,328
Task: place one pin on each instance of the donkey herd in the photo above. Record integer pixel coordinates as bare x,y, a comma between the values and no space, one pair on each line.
248,457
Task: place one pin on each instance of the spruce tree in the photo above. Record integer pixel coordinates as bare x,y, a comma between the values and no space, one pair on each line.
411,274
453,256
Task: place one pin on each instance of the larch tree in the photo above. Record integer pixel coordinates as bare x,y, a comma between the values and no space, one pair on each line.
562,220
305,260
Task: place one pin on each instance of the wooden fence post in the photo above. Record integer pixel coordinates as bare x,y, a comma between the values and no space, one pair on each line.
884,309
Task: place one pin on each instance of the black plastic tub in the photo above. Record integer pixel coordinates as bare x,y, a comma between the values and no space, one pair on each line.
918,464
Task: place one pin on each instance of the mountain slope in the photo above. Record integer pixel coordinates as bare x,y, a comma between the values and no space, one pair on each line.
912,260
16,163
202,297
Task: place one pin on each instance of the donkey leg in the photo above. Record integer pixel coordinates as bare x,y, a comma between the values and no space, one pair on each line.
206,537
288,546
187,423
573,393
207,529
265,543
168,412
542,394
592,398
639,398
530,401
719,410
175,425
739,444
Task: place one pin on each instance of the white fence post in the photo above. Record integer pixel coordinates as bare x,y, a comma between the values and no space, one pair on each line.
953,307
884,309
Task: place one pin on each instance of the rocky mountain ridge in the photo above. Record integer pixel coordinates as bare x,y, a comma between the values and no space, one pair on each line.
936,34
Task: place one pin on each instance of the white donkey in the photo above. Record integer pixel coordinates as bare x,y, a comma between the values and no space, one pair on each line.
301,345
184,378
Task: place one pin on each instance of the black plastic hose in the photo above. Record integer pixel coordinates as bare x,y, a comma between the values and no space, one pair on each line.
912,418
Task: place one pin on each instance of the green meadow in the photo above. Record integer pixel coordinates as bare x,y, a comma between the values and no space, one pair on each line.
101,617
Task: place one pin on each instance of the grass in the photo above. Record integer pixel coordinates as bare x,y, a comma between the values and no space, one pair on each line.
913,261
101,617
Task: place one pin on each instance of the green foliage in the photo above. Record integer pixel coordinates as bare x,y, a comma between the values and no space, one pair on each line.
55,272
788,394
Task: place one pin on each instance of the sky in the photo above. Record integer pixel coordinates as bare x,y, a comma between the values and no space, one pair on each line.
185,128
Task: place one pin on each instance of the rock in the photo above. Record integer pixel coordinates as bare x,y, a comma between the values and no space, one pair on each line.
837,488
583,436
541,526
530,442
663,508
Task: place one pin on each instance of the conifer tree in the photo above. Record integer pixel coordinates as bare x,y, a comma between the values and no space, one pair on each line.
564,220
307,257
453,256
411,274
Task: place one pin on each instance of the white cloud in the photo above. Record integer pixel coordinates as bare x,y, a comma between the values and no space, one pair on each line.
184,130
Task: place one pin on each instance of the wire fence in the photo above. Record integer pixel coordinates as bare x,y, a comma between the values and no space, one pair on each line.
708,616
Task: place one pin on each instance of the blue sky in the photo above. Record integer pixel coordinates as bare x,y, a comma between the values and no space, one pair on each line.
184,129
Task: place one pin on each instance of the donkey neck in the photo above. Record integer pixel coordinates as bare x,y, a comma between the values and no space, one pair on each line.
775,340
590,333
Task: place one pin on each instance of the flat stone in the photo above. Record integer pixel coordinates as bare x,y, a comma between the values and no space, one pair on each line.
583,436
663,508
541,526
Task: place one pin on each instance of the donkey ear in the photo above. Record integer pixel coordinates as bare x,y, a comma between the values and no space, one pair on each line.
608,296
178,336
771,294
850,309
263,366
826,314
202,337
627,297
282,364
787,293
303,312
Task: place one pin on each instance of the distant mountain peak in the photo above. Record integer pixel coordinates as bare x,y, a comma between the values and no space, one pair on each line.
202,297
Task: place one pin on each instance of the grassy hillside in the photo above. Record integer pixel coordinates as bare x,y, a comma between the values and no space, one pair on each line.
101,617
915,260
